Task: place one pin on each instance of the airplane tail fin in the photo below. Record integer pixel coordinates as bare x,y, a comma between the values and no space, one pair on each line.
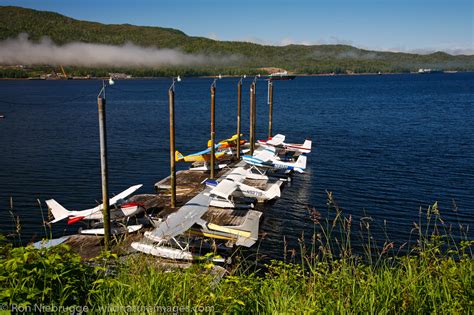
58,211
300,164
307,144
251,224
273,192
234,137
178,156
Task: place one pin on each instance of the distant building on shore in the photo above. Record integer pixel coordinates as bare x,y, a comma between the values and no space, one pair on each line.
120,76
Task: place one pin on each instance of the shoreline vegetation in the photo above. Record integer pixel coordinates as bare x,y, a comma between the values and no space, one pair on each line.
25,76
432,275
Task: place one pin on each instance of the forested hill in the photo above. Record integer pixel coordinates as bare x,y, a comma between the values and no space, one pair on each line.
295,58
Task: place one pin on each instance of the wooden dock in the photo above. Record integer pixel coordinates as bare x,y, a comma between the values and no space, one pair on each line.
189,186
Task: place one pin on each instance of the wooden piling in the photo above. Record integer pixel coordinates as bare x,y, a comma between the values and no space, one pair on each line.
239,103
172,150
270,109
104,171
252,114
213,130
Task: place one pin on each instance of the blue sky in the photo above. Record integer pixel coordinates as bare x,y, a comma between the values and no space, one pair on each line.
403,25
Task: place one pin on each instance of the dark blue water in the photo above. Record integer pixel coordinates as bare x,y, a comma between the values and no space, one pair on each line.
384,145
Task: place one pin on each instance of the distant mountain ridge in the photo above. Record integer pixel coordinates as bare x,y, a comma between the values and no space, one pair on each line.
294,58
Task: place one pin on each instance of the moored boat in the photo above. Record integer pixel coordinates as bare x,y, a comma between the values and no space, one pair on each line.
281,76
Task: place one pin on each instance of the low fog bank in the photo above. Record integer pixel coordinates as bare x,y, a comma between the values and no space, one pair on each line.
21,50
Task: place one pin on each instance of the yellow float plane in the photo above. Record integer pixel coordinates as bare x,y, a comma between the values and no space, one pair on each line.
203,156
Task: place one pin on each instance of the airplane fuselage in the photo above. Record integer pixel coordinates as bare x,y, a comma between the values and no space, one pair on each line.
126,210
202,157
273,164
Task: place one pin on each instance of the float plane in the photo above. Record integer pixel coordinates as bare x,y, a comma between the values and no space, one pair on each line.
266,158
163,241
202,156
278,141
125,210
232,185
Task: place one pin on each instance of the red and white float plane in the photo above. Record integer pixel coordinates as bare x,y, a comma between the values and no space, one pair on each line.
124,210
278,141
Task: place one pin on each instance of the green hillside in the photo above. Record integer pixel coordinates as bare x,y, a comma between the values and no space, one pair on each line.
296,58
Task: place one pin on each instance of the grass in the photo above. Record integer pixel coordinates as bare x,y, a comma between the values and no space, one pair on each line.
434,275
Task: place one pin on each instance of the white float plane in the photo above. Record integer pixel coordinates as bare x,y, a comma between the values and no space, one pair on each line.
221,196
233,184
278,141
266,158
163,240
124,210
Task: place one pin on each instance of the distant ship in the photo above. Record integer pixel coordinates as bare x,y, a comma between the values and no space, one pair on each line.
281,76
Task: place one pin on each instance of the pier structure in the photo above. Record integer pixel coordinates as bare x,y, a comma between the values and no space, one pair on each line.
235,226
188,193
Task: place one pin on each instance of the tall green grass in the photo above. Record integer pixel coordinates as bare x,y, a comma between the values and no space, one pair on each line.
433,275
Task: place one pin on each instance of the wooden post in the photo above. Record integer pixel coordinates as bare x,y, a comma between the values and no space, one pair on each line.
239,103
213,130
270,109
104,171
252,114
172,150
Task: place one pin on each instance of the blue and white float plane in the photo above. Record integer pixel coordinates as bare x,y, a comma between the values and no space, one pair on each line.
266,158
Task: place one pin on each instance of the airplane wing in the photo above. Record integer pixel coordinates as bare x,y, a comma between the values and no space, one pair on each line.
182,220
124,194
224,189
207,151
264,155
276,140
237,175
